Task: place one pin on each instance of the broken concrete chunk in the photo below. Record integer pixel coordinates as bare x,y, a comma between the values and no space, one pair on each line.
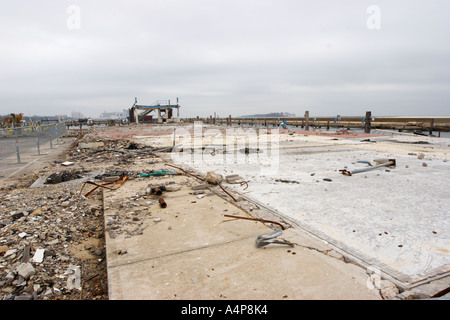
10,252
200,186
26,270
380,161
234,178
23,297
26,254
65,204
173,187
213,177
90,145
388,290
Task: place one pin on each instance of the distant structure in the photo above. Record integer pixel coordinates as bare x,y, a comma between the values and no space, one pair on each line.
164,108
270,115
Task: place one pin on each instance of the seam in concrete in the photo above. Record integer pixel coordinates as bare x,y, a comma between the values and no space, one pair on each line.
180,252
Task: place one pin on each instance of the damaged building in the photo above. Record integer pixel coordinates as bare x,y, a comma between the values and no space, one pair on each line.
139,113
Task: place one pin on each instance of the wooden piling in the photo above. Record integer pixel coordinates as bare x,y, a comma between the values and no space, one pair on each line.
307,120
367,120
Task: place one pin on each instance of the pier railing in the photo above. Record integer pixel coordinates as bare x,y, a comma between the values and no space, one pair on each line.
426,124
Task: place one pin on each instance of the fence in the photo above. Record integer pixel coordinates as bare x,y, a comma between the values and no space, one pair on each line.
16,140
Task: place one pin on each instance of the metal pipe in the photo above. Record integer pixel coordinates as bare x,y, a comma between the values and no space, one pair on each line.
158,190
162,203
386,164
264,240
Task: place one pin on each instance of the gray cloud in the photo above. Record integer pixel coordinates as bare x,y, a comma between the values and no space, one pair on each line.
228,57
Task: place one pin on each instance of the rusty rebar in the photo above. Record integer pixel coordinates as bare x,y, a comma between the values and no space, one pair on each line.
186,172
104,185
255,219
226,192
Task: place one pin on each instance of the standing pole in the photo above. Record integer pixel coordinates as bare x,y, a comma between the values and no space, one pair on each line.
307,120
17,146
37,141
367,120
174,130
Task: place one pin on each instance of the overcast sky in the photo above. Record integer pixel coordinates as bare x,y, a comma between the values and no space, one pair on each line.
225,56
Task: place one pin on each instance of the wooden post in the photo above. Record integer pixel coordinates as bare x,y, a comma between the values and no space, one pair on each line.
307,120
367,120
431,126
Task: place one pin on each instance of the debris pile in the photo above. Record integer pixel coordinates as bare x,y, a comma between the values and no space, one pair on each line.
51,246
63,176
52,235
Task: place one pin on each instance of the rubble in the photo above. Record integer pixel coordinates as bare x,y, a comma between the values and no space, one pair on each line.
200,186
63,176
234,179
213,177
44,230
37,246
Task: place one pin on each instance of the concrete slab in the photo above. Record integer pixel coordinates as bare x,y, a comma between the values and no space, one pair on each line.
391,219
194,252
186,223
235,270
